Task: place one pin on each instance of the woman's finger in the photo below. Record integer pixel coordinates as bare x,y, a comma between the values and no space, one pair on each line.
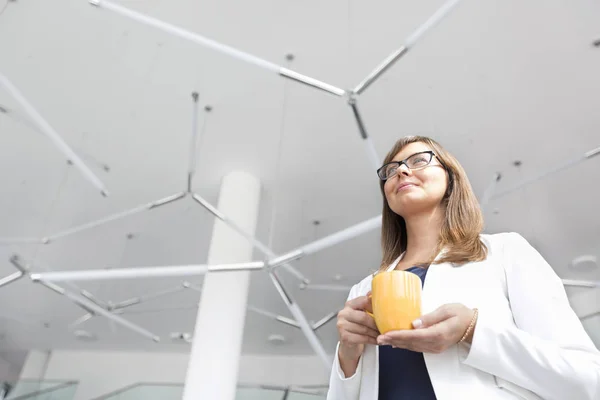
361,318
353,338
361,330
358,303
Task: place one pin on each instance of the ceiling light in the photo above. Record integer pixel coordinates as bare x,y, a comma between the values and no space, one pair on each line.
276,340
584,263
85,336
181,337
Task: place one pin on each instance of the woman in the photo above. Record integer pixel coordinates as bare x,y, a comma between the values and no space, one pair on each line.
496,321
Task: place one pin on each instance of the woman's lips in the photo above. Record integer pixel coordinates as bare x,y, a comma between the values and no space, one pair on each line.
404,186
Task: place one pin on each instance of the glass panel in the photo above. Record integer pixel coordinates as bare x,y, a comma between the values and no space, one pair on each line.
43,390
66,393
31,387
304,396
258,394
152,392
175,392
592,326
149,392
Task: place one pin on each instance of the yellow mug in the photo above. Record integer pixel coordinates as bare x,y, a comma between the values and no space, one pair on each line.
396,300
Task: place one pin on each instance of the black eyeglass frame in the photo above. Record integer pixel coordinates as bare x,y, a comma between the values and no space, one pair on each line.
432,153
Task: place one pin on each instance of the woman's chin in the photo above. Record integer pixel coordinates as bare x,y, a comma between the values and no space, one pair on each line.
407,205
404,208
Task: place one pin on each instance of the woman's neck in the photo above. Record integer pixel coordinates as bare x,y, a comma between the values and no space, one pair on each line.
422,235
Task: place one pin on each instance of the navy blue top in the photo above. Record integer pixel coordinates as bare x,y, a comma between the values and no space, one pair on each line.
402,373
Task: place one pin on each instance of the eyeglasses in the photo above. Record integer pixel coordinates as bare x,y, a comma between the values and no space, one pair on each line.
415,161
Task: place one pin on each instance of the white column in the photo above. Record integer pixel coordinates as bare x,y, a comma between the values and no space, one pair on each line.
216,348
35,365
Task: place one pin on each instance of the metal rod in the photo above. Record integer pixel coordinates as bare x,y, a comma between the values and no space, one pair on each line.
432,21
361,126
298,315
209,207
332,288
51,286
143,272
155,310
113,317
92,298
341,236
194,142
326,87
380,69
280,318
251,266
489,190
167,200
95,309
137,300
117,216
15,260
185,34
11,278
262,312
5,241
28,124
443,11
578,283
568,164
372,153
287,321
291,256
592,153
81,320
584,317
369,146
126,303
255,242
51,134
324,320
97,223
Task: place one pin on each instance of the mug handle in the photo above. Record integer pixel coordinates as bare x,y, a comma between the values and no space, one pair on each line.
370,296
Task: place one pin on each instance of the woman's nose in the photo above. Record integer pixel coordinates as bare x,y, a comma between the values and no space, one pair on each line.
404,170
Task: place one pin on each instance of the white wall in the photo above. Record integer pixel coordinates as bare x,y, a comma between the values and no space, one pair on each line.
8,371
35,365
100,372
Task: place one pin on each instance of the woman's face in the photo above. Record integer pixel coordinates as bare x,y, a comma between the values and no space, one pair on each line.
412,191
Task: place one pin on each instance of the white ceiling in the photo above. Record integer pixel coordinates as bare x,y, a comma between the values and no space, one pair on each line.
496,82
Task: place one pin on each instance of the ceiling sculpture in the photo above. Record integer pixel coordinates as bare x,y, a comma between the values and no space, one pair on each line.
273,262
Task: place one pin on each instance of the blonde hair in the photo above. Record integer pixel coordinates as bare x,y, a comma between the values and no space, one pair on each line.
463,221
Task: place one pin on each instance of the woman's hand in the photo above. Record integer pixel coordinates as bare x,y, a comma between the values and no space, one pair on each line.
434,332
355,328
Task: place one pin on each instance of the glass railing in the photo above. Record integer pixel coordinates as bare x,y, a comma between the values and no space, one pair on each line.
42,390
250,393
147,392
592,326
175,392
305,396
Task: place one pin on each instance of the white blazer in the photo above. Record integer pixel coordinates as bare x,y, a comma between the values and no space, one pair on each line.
528,343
